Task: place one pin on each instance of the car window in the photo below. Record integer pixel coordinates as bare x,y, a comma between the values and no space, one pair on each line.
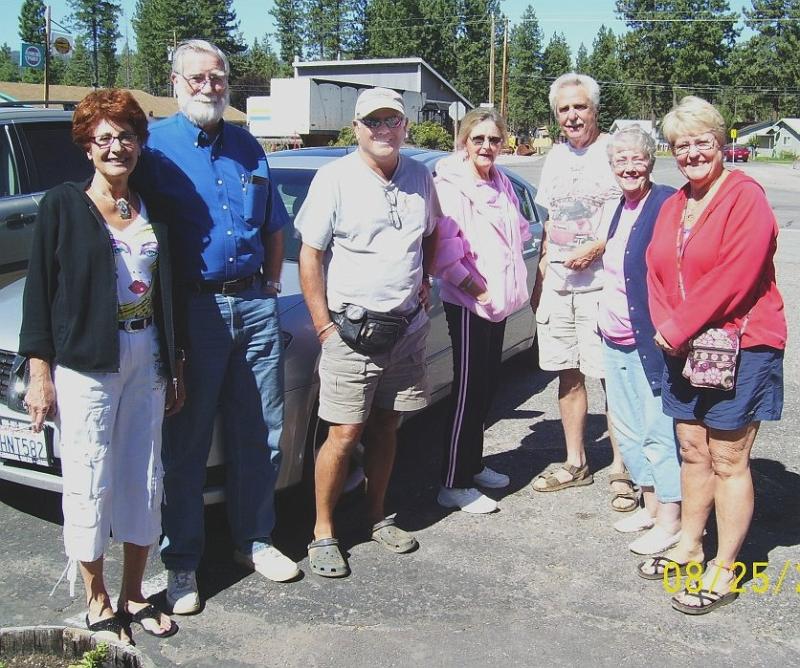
55,158
9,177
525,204
293,187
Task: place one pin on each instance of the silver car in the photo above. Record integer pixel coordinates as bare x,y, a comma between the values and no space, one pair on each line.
34,459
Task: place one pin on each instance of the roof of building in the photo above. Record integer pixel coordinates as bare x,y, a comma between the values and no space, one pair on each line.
159,106
377,63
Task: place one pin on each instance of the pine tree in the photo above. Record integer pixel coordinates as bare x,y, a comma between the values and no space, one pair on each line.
527,91
31,21
289,20
391,28
556,59
605,66
80,70
255,67
9,70
582,60
97,22
472,48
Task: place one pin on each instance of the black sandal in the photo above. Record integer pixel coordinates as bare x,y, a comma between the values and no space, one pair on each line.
151,612
111,624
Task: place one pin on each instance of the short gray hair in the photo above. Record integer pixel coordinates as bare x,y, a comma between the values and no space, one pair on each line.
693,116
574,79
198,46
633,137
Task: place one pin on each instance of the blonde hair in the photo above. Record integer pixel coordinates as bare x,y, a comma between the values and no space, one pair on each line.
693,116
476,116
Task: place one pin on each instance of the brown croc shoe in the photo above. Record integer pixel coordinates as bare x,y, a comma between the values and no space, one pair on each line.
548,482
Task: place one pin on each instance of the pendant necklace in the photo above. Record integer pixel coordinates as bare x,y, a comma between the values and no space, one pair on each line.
122,205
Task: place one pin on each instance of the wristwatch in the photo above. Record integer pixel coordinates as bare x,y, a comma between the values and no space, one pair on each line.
274,285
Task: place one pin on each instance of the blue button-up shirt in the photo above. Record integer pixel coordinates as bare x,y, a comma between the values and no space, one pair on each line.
216,196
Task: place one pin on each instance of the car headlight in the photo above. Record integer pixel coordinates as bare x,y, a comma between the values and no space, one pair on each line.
17,384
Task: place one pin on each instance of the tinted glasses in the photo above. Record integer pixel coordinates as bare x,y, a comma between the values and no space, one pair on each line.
479,140
392,122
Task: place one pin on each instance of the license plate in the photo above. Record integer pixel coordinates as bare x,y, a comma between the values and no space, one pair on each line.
19,443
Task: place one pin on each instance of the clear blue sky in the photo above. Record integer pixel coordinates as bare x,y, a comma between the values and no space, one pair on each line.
579,20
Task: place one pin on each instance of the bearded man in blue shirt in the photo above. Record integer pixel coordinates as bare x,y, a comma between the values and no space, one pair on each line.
211,181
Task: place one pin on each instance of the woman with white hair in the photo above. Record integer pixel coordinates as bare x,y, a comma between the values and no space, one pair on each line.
716,307
633,364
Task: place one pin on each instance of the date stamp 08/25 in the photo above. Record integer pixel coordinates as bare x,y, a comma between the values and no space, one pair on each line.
690,577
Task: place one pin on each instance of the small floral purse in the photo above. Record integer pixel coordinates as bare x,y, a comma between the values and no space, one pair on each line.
714,353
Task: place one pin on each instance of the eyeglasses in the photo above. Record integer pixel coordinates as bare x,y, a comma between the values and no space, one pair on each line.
127,139
622,163
394,213
703,146
392,122
478,140
198,81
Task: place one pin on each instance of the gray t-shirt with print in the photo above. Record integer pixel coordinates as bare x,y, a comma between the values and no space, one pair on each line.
371,230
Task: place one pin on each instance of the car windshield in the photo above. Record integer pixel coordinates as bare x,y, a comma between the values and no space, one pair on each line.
293,187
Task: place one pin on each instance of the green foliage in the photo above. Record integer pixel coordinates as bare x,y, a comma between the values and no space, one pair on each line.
97,22
93,658
31,21
252,72
347,137
582,59
605,65
159,24
429,134
527,89
556,59
79,70
9,70
289,20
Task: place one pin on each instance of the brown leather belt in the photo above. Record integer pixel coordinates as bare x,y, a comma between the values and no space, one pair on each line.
225,287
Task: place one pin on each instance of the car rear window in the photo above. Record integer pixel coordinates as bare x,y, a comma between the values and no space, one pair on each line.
293,187
55,158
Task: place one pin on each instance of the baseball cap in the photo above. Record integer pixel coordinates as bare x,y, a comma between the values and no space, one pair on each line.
373,99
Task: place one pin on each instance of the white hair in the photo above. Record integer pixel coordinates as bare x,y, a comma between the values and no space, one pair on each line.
574,79
633,137
198,46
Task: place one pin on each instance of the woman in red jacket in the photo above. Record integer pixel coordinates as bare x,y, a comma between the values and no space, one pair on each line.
710,264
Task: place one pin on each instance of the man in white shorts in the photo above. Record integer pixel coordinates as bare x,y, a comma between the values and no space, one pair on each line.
369,235
580,193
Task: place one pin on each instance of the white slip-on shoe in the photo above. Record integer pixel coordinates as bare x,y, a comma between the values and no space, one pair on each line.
470,500
641,520
655,541
491,479
182,595
270,562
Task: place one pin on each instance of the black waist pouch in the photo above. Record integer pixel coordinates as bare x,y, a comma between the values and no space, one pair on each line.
369,332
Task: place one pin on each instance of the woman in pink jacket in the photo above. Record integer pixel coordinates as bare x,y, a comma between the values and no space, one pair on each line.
483,280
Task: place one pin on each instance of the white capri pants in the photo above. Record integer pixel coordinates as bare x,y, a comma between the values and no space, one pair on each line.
110,430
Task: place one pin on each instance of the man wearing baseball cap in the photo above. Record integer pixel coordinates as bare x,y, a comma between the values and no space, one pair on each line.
368,228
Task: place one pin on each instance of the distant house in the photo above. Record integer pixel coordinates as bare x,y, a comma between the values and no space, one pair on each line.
773,138
153,106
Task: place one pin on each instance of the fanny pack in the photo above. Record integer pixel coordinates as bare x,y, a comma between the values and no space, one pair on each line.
370,332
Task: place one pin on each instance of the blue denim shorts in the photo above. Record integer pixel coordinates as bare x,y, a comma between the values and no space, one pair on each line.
758,394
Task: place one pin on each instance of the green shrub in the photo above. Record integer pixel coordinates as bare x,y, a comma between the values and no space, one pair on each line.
346,137
94,658
430,135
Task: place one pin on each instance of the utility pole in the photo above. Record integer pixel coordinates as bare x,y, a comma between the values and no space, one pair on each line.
504,82
491,63
46,56
95,83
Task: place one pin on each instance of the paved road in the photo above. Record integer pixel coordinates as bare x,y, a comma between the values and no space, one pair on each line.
543,581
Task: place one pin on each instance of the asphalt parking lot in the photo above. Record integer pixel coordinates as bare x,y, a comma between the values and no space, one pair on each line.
543,581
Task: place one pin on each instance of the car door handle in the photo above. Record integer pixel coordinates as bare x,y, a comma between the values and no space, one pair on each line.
18,220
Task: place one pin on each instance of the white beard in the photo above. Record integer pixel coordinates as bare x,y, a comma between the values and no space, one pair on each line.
200,109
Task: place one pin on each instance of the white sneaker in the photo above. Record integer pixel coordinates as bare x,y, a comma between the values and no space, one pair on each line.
470,500
491,479
270,562
641,520
182,593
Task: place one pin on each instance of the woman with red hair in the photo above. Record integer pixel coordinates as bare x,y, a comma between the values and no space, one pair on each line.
100,340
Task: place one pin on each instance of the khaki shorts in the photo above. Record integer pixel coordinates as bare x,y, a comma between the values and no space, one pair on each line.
349,382
566,325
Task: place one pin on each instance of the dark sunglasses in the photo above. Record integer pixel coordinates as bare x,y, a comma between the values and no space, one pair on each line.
478,140
392,122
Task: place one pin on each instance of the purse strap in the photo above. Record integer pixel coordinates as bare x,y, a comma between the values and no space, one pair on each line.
680,244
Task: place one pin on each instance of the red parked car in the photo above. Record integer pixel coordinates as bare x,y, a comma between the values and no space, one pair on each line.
736,153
